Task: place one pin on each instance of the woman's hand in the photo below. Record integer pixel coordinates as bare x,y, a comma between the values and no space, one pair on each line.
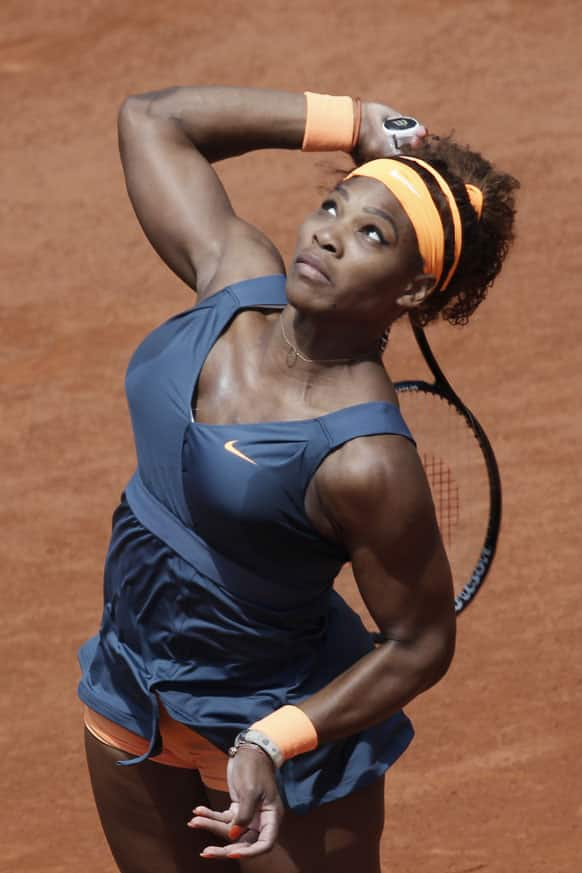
252,821
373,141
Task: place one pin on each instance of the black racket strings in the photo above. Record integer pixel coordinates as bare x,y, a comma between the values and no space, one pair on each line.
457,474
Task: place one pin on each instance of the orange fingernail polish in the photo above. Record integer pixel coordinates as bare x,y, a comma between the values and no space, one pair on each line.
235,832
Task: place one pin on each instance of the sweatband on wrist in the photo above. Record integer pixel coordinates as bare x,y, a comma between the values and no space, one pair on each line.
290,730
329,123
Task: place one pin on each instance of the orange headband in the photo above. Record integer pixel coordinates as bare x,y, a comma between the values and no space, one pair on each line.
476,198
457,226
415,198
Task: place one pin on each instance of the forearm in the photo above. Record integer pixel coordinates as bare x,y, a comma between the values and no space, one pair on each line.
378,685
224,122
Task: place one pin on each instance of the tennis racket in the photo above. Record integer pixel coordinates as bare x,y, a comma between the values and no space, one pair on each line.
462,472
401,130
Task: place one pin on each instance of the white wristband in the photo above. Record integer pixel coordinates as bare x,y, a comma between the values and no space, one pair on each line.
258,738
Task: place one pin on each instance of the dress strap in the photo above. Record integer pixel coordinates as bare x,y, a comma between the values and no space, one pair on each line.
365,419
263,291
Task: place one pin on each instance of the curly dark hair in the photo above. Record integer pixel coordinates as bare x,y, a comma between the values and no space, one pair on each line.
485,241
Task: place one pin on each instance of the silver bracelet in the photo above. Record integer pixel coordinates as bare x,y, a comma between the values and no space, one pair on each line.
258,738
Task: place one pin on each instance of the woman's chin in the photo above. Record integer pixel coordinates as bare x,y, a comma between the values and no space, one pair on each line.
309,296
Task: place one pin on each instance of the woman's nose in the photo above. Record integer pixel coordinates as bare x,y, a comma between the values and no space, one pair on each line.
329,239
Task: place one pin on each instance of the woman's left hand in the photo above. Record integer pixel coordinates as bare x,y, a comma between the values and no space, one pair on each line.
252,821
373,141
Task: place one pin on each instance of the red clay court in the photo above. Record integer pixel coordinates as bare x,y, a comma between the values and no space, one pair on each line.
492,782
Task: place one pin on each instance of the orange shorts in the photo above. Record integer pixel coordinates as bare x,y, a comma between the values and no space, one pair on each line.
182,746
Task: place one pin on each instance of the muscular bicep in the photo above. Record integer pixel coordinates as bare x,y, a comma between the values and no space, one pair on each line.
182,206
403,574
381,506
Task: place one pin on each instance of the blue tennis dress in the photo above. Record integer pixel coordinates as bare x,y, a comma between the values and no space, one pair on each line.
218,589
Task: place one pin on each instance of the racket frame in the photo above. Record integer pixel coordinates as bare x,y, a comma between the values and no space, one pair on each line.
442,388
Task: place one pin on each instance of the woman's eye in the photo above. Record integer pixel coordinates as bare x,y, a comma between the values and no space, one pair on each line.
372,232
329,206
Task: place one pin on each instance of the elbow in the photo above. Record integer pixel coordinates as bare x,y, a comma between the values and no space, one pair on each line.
162,104
130,112
420,662
440,652
137,113
430,655
133,107
446,658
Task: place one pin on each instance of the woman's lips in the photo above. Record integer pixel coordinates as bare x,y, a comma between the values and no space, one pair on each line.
309,268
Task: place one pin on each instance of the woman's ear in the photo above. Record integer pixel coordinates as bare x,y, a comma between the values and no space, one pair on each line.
417,291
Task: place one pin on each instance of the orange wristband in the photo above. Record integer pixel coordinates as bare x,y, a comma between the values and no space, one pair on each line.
290,729
329,124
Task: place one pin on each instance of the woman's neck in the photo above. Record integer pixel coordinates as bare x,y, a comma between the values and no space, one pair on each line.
320,341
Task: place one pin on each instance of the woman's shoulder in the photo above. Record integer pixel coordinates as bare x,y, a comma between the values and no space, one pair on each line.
379,472
375,448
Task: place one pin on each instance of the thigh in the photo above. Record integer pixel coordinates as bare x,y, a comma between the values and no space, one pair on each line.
339,837
144,810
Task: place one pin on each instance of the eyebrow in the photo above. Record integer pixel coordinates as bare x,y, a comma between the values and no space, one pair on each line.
383,215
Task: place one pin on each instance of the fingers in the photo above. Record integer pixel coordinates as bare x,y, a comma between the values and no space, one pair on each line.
252,843
234,849
216,828
219,825
226,815
251,823
256,839
237,850
216,822
420,137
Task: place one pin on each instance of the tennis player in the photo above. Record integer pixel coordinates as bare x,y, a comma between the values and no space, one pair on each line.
236,709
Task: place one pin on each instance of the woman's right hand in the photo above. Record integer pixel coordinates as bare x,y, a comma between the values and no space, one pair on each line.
252,821
373,141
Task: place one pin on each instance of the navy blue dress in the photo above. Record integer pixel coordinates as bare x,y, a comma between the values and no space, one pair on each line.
218,590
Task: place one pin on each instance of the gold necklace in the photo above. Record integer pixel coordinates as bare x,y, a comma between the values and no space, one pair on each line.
294,352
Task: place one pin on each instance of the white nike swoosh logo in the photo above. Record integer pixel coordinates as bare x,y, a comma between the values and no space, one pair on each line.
229,446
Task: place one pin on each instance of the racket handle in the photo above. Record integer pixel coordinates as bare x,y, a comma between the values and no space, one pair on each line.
401,130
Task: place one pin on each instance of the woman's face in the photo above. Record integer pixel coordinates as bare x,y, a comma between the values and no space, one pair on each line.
356,254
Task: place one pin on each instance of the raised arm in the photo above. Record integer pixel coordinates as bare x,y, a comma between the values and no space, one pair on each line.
168,140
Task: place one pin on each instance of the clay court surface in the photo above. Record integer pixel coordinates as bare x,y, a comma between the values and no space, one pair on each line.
493,780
